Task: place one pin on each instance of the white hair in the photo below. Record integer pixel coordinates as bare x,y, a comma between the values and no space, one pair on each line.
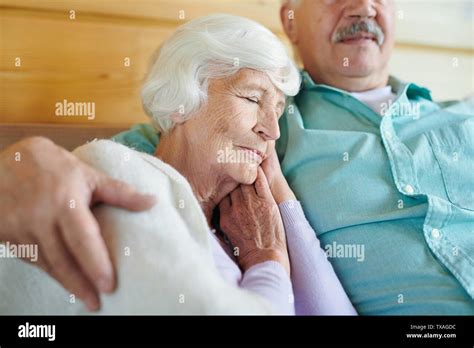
213,46
294,3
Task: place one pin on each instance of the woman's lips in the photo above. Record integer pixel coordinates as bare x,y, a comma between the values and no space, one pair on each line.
255,151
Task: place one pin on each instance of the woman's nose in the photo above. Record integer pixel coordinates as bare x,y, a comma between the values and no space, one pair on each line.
268,128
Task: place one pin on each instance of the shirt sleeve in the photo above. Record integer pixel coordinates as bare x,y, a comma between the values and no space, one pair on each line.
270,280
316,287
267,279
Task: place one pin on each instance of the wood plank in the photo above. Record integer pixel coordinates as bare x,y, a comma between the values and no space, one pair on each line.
448,75
418,21
263,11
440,23
80,61
77,61
68,137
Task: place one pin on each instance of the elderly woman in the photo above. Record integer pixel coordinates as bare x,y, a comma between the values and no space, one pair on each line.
215,92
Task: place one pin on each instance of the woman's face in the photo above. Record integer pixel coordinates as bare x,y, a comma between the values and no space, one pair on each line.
238,124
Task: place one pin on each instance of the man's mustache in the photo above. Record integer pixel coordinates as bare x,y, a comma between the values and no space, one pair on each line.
369,27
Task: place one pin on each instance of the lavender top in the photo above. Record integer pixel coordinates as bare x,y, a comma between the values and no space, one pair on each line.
313,289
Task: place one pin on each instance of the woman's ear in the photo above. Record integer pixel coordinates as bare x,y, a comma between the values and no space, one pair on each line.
287,17
177,118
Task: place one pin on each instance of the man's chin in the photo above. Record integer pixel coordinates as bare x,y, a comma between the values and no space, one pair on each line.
360,66
359,57
359,72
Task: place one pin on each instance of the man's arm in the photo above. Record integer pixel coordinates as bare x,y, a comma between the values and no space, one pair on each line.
46,195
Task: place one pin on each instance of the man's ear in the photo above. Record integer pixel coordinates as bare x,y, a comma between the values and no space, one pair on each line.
287,17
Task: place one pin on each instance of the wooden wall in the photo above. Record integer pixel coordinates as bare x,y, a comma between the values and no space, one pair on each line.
49,53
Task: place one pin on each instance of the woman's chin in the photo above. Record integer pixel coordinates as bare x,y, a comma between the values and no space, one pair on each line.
246,174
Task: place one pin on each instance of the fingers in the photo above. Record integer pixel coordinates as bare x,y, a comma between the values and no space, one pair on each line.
271,149
56,260
82,237
236,197
261,184
248,190
224,205
118,193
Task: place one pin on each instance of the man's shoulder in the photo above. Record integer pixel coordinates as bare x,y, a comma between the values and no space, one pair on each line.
141,137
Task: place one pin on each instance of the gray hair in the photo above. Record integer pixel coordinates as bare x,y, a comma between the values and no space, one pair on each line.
293,3
365,26
213,46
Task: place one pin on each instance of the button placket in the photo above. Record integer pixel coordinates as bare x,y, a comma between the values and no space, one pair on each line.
436,234
400,159
409,189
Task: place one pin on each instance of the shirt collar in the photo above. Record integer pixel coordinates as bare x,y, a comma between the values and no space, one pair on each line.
402,89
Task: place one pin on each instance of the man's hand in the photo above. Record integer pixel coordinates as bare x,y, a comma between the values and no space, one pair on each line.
46,195
250,218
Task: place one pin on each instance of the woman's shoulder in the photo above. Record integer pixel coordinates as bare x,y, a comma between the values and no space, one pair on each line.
144,172
111,157
148,174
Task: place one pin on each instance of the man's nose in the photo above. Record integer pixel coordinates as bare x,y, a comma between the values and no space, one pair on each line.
268,127
361,8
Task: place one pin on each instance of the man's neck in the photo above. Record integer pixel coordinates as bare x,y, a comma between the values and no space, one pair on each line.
351,83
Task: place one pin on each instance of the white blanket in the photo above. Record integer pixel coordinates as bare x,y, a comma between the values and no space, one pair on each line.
162,256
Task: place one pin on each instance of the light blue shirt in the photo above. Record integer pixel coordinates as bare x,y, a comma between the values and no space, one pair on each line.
391,198
400,187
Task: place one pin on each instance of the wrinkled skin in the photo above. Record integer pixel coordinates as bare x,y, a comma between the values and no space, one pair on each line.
251,220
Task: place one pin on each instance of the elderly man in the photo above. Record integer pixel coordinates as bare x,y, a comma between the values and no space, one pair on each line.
381,170
377,163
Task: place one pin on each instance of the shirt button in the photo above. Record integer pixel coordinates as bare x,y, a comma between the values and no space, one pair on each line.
388,135
435,233
409,189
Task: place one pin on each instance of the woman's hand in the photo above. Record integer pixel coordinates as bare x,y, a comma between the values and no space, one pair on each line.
250,218
276,180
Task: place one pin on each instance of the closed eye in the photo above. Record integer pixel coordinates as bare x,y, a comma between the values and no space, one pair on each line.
252,99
